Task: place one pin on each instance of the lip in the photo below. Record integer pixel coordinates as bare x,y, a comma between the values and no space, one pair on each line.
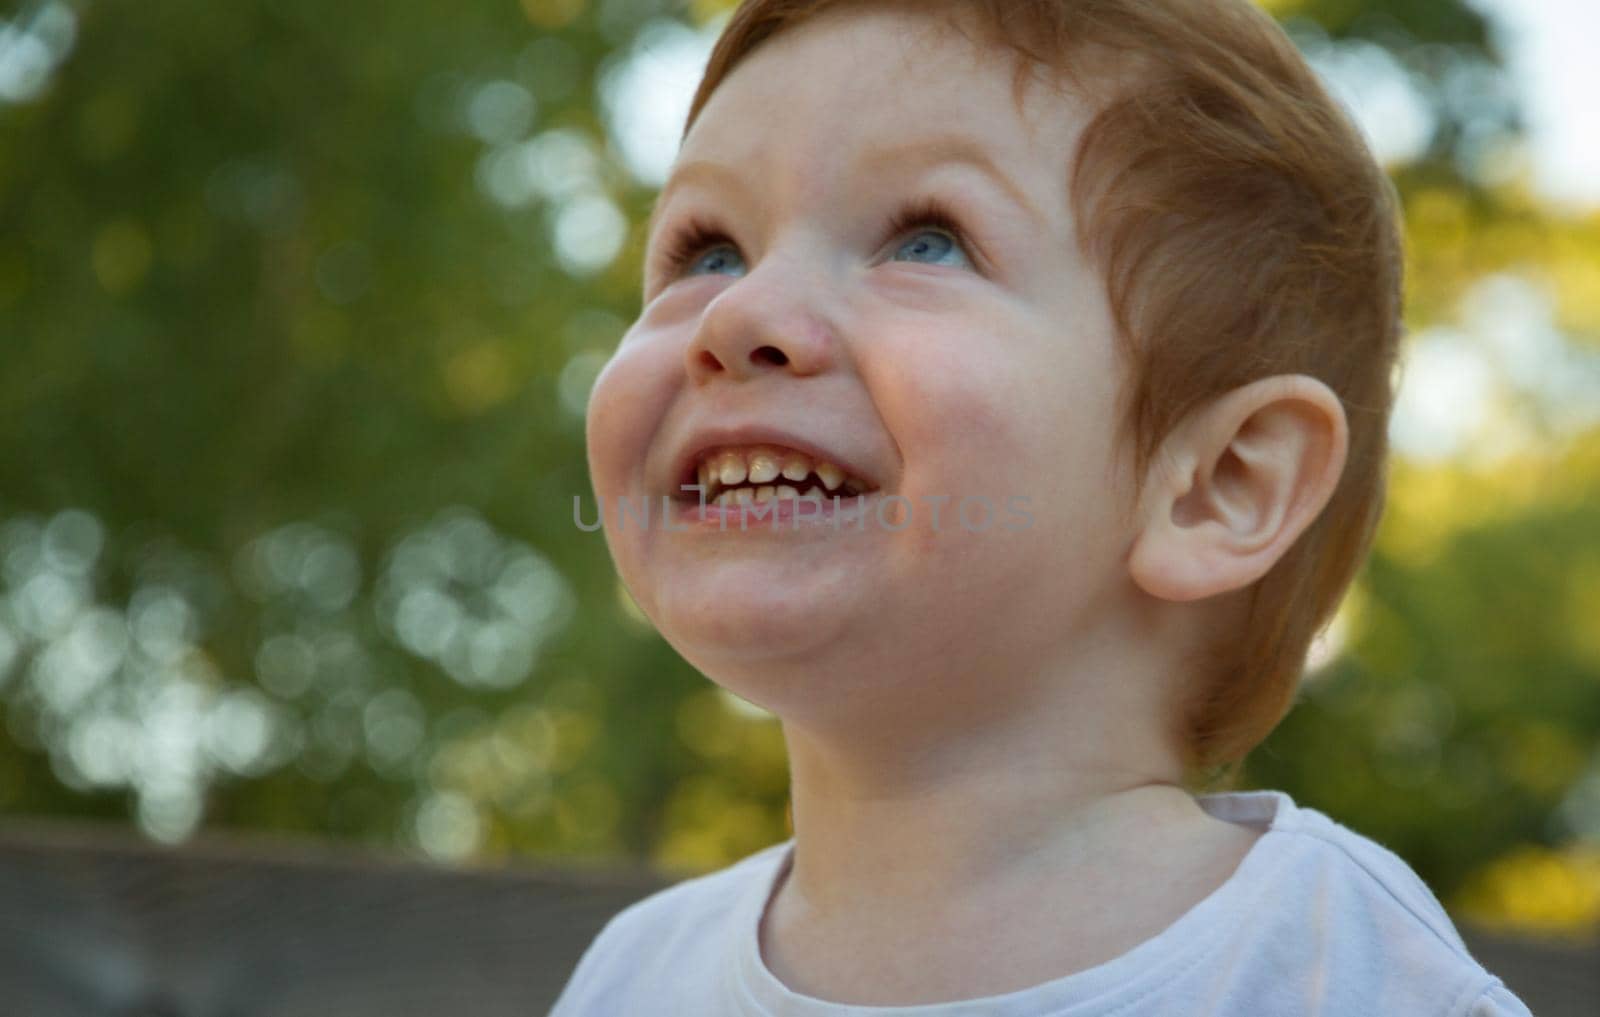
707,438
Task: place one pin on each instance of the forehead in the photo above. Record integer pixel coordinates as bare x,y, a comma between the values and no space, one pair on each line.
851,90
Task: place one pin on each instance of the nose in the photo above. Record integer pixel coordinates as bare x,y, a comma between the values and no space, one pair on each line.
761,324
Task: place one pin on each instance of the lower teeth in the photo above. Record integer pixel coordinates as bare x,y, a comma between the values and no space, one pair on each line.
731,497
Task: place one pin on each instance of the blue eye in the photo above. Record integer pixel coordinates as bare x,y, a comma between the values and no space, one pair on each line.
933,237
716,260
698,248
933,234
931,246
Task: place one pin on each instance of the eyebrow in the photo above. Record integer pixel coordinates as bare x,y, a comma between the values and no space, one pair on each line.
908,156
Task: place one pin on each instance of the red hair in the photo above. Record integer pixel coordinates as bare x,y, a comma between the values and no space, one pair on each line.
1243,230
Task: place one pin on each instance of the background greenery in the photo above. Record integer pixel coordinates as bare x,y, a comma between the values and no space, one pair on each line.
299,306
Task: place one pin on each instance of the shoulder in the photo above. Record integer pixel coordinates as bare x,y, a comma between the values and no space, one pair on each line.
649,947
1374,873
1343,904
687,908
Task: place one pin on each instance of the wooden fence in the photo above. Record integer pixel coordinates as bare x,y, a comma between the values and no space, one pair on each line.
97,924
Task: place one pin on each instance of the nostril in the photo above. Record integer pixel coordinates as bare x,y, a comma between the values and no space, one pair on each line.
709,361
769,355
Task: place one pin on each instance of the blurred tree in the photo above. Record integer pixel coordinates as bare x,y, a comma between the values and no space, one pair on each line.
284,285
1463,712
267,313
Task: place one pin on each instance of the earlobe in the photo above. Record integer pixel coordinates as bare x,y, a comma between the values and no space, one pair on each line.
1235,487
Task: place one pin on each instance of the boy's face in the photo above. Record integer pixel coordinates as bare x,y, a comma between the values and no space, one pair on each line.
934,367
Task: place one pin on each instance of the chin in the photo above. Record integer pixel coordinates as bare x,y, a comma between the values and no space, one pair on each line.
744,613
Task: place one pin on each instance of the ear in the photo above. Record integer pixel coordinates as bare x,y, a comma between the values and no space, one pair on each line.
1235,484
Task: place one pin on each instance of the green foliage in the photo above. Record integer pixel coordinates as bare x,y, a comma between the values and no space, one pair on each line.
1464,709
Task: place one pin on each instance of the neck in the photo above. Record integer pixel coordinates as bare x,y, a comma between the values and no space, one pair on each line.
960,821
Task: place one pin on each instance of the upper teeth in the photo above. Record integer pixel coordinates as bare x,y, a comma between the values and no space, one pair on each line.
764,464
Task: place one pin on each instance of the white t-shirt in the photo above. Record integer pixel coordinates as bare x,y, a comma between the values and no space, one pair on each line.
1317,920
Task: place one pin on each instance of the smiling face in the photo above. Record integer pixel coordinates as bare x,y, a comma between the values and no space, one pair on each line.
865,256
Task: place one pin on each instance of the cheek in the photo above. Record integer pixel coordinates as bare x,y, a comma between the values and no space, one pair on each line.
617,430
1019,411
958,407
624,408
608,431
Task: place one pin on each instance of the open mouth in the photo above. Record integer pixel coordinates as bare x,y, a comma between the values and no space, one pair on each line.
756,474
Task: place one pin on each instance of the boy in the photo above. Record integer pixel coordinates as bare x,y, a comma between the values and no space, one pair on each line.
922,275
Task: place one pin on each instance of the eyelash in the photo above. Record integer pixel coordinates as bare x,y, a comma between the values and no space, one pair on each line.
697,236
